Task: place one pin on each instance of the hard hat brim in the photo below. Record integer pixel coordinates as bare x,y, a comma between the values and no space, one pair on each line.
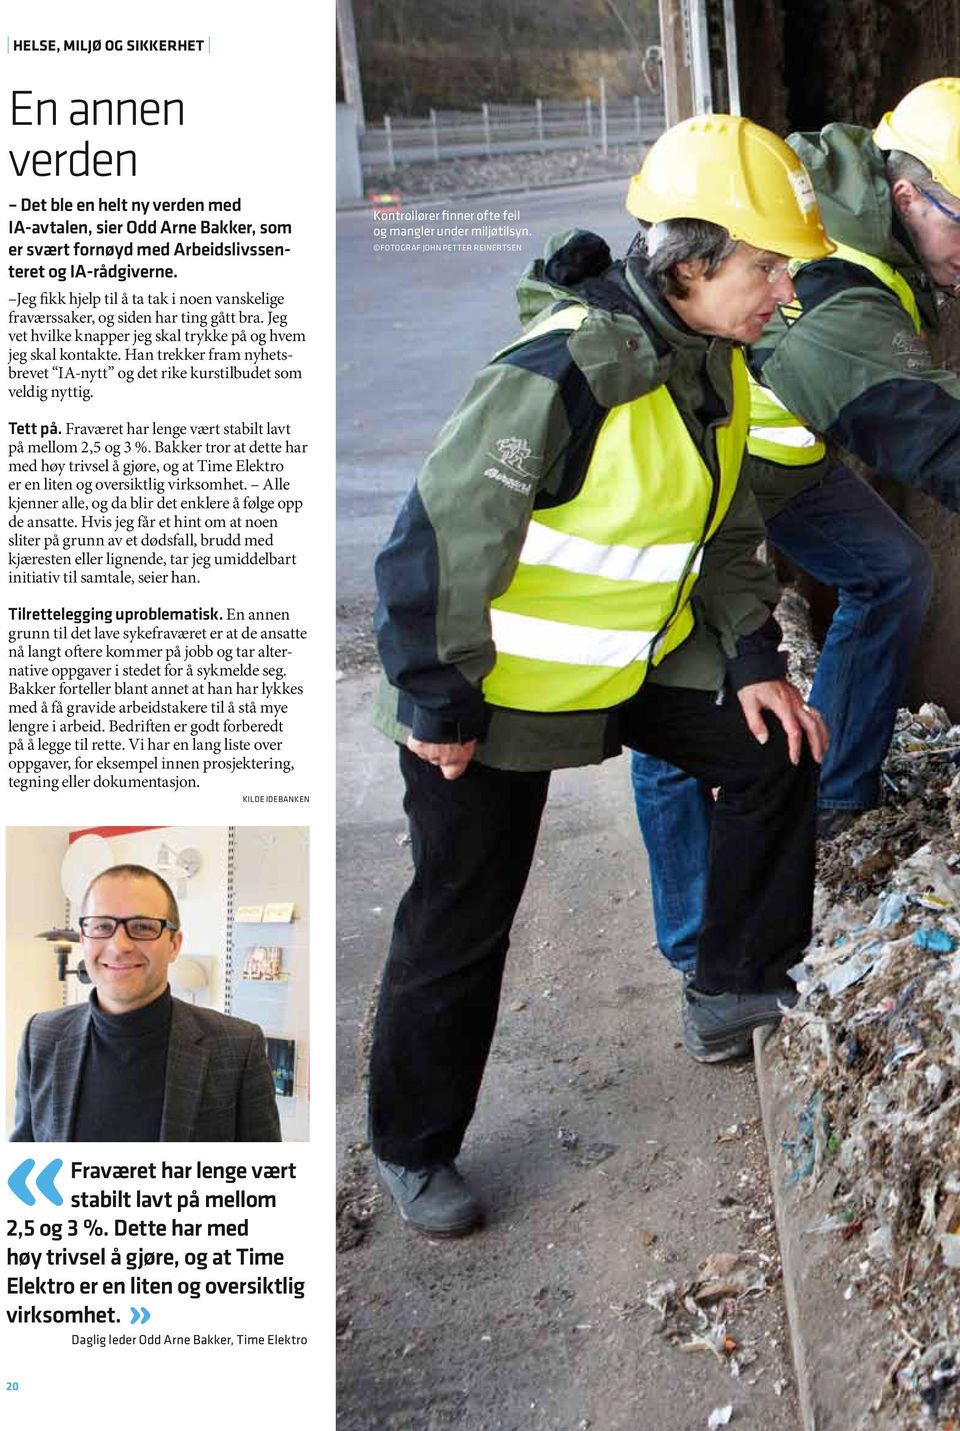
646,206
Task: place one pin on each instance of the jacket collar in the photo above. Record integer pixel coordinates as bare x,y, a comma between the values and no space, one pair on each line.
661,315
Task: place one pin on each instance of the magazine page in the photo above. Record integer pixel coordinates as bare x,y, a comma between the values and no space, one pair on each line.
165,514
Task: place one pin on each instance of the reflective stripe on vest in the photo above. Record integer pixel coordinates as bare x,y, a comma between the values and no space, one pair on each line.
603,583
776,434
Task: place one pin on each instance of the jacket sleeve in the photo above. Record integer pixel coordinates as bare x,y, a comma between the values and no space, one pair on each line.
855,369
23,1121
456,544
737,591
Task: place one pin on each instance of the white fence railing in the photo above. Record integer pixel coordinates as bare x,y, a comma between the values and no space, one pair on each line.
511,129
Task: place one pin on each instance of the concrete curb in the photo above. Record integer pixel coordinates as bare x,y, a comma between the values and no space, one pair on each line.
833,1341
769,1100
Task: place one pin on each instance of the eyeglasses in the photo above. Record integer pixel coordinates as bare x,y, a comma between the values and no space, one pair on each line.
772,272
932,199
138,926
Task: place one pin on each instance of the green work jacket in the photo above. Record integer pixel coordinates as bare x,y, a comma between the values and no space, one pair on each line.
580,511
852,360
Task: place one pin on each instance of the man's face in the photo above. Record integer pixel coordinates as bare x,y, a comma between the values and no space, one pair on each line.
737,301
128,973
933,219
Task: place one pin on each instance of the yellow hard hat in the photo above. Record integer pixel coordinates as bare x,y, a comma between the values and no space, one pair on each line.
726,169
926,124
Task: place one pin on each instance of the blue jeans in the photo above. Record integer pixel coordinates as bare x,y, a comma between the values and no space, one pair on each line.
844,534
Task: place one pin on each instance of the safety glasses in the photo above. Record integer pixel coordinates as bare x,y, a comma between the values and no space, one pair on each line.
951,214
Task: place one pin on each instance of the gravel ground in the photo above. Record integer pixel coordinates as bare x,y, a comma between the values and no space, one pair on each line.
506,172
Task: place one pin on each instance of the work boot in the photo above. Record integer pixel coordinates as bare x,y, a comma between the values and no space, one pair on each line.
435,1201
718,1027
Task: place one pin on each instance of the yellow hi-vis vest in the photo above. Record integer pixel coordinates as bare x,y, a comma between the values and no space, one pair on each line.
776,434
603,584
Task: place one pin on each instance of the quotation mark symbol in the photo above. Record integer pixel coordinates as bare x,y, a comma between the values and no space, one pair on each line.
45,1181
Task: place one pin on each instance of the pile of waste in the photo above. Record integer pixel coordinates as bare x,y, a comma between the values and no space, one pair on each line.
696,1314
793,617
872,1049
873,1046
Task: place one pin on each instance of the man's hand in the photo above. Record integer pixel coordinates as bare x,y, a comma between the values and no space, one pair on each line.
798,720
452,760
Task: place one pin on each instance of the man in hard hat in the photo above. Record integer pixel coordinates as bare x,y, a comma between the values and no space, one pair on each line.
847,361
537,581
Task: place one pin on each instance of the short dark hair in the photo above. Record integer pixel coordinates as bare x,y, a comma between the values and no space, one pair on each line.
137,872
658,248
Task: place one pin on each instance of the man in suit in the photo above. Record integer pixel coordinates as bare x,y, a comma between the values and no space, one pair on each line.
134,1064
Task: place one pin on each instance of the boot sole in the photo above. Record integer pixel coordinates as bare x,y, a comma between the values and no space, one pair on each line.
721,1053
721,1047
445,1233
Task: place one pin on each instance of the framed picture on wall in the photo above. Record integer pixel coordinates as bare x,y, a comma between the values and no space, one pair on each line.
265,963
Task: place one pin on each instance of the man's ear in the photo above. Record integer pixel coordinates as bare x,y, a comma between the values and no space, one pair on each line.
906,196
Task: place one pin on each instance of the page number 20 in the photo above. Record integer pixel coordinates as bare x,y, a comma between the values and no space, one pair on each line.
13,1386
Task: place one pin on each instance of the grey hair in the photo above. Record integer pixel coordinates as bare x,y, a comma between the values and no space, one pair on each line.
658,248
904,166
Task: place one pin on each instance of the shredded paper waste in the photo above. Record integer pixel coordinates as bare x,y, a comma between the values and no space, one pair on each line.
695,1314
873,1048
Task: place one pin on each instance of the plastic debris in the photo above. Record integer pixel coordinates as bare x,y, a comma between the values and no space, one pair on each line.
890,911
806,1151
719,1416
938,941
880,1242
660,1296
729,1135
852,970
695,1314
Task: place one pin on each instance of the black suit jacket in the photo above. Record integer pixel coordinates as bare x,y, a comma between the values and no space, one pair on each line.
218,1088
